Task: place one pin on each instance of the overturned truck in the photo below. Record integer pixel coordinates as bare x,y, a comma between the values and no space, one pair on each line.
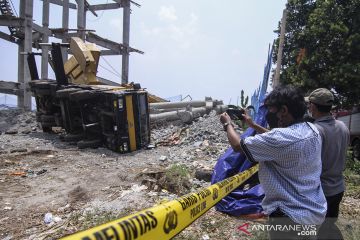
91,112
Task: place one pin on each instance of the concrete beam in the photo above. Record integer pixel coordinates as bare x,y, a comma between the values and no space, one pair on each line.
19,22
11,21
108,6
61,3
103,42
109,52
8,37
10,87
40,29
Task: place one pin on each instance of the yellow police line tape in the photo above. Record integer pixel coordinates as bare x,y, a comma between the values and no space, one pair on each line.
166,220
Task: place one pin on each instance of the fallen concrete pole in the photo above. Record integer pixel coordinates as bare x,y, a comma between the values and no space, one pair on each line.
158,111
186,116
169,105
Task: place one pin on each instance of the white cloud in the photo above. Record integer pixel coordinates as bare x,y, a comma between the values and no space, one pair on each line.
167,13
183,33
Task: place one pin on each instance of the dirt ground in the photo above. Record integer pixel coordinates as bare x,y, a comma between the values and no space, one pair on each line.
40,174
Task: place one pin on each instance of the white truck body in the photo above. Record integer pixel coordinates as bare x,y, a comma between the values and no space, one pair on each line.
352,121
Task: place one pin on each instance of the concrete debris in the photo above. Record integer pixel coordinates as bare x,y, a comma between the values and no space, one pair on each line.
204,132
14,121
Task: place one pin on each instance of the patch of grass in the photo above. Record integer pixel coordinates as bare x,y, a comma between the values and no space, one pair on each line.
176,179
351,166
180,170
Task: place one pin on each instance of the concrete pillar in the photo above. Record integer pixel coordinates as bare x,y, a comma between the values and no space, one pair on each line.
45,39
26,12
65,25
126,42
80,18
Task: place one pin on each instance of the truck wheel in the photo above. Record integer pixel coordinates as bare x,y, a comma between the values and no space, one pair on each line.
356,150
46,129
47,126
89,143
48,118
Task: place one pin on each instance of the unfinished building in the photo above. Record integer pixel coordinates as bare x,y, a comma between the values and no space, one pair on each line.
24,32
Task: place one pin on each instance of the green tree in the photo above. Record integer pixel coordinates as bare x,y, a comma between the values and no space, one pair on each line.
322,47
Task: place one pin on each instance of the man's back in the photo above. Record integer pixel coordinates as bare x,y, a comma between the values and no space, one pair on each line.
335,139
290,168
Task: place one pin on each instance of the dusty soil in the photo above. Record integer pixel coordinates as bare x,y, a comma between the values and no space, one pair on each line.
40,174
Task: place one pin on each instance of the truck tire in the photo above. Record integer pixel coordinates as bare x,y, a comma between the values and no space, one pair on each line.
356,150
46,129
48,118
38,116
89,143
47,126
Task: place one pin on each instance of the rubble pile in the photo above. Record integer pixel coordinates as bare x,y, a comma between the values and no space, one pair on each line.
206,130
13,121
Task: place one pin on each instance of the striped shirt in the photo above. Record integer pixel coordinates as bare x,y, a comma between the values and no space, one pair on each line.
289,171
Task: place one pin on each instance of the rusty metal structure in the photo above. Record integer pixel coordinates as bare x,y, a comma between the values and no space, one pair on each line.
28,35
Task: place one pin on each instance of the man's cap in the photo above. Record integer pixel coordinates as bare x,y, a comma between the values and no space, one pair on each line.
321,96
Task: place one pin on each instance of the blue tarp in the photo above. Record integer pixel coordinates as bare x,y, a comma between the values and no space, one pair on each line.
241,201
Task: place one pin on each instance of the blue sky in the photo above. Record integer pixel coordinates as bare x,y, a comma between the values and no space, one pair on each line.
196,47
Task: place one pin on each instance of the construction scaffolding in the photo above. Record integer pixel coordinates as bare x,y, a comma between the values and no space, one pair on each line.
28,35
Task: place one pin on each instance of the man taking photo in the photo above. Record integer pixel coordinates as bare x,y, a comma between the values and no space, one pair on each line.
289,157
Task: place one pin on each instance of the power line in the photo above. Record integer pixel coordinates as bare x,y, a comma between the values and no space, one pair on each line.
13,8
110,71
101,14
111,66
